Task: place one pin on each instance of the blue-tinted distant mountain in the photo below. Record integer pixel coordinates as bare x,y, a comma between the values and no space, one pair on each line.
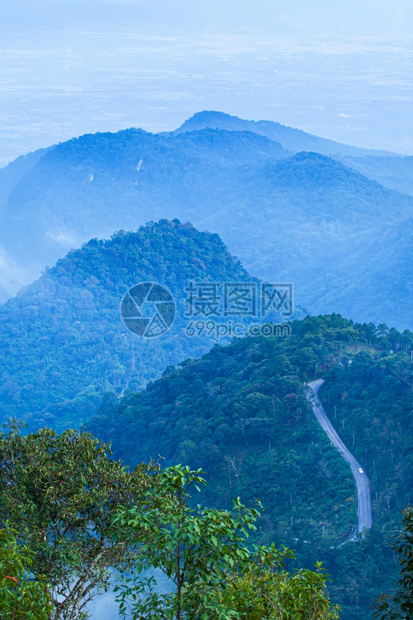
392,172
314,222
290,217
378,271
291,139
63,343
59,198
388,169
15,171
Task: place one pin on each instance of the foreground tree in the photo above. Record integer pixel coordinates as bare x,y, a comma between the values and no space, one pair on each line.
268,591
204,554
399,605
193,547
61,493
21,597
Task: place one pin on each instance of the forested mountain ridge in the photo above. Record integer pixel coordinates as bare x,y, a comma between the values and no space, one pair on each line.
370,281
393,172
63,343
292,217
291,139
125,178
389,169
240,413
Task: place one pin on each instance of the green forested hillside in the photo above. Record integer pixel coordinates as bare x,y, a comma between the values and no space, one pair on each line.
63,343
372,400
240,413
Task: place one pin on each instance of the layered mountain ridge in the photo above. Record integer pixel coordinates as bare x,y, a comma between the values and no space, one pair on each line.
292,216
63,341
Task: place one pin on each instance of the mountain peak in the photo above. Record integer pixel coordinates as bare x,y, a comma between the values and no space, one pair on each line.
70,320
206,116
290,138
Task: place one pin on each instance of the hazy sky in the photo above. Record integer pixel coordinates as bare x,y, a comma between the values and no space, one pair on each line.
342,70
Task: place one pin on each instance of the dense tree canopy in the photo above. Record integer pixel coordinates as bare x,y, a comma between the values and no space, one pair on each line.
240,413
399,604
204,553
63,343
21,596
61,493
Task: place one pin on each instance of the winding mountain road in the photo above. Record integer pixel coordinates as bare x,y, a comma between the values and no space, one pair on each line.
364,514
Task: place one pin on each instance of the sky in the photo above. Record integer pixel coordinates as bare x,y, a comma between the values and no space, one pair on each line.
341,70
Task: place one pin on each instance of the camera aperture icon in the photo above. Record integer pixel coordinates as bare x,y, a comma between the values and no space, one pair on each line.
148,310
